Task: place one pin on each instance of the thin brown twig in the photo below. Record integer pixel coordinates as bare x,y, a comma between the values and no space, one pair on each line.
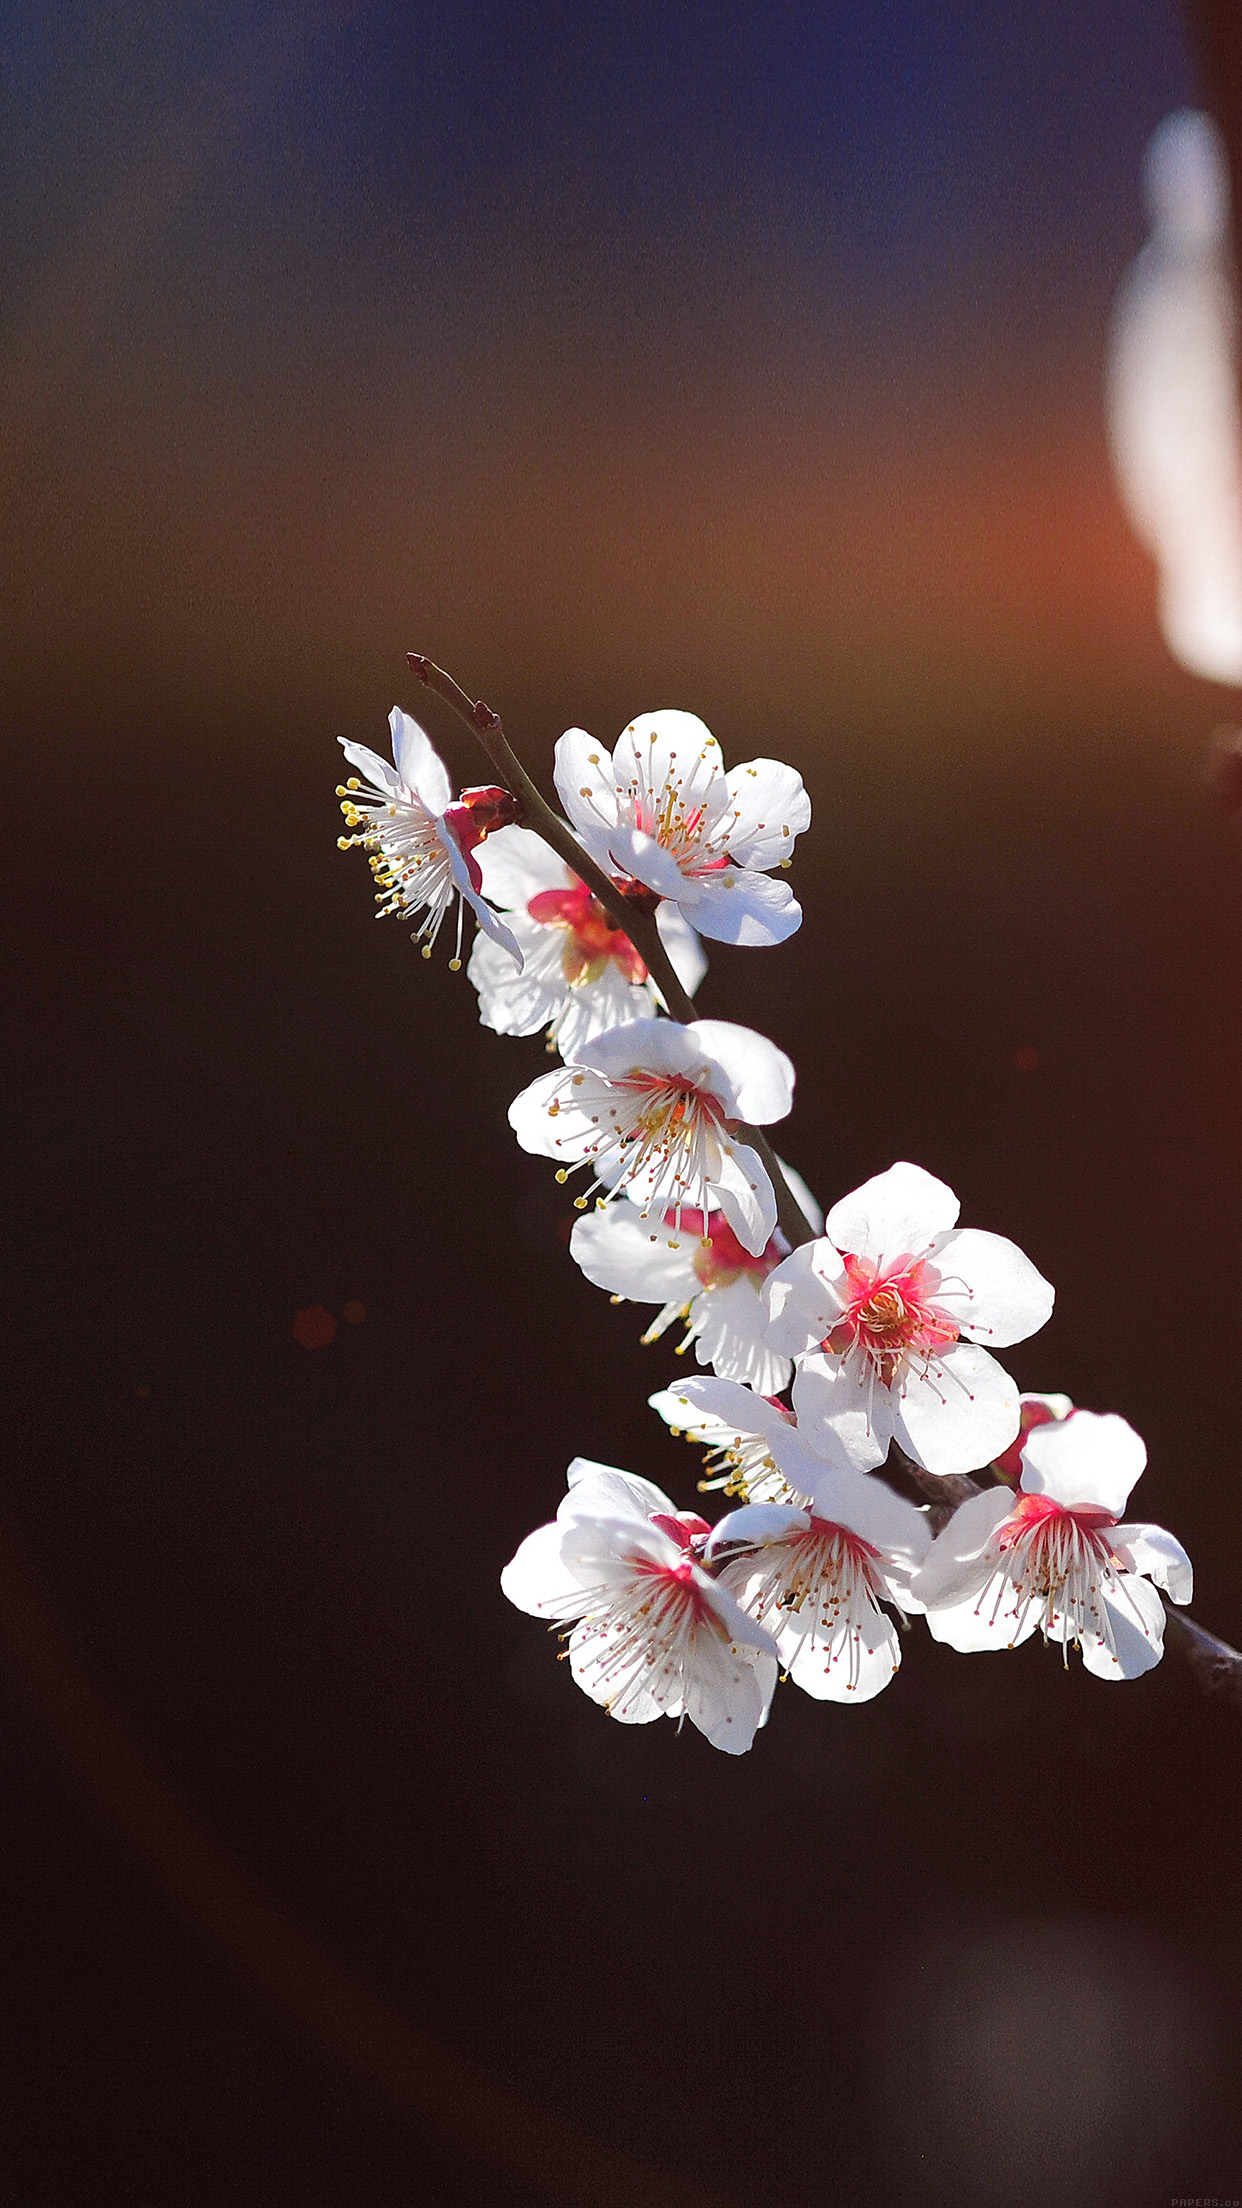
625,916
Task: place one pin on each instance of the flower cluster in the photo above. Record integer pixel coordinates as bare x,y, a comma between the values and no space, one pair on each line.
851,1358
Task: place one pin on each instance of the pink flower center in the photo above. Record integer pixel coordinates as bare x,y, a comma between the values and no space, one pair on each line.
590,940
891,1314
1042,1523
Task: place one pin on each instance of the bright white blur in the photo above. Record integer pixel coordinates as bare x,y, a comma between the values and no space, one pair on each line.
1174,421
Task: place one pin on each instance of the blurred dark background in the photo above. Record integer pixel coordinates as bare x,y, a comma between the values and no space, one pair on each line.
740,358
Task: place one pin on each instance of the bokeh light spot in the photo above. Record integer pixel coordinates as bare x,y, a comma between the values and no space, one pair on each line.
353,1313
1026,1058
314,1327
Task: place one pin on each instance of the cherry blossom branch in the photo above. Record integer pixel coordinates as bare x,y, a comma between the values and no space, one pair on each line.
626,917
1216,1666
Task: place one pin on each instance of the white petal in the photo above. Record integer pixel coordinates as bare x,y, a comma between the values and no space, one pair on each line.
805,1295
992,1290
761,1076
959,1412
460,871
628,1257
1136,1616
993,1619
895,1214
639,855
513,999
753,1526
376,770
769,808
528,1116
729,1684
871,1509
538,1579
963,1555
734,905
682,944
1159,1556
1084,1462
586,788
848,1420
604,1489
418,762
517,865
592,1008
719,1412
729,1330
745,1194
852,1665
647,1046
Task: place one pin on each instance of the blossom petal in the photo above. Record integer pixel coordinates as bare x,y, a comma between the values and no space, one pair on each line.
539,1581
634,852
958,1412
769,809
993,1620
729,1687
719,1412
746,1196
728,1327
992,1290
513,999
649,1046
733,904
1159,1556
852,1664
681,942
871,1509
418,762
459,867
517,865
760,1076
1085,1461
1136,1619
537,1129
753,1526
895,1214
962,1556
377,770
605,1488
848,1421
586,787
805,1295
621,1254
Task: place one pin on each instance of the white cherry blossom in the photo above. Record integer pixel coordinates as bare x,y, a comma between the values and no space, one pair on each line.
696,1270
885,1315
816,1578
1056,1557
662,810
654,1108
422,843
653,1634
579,976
